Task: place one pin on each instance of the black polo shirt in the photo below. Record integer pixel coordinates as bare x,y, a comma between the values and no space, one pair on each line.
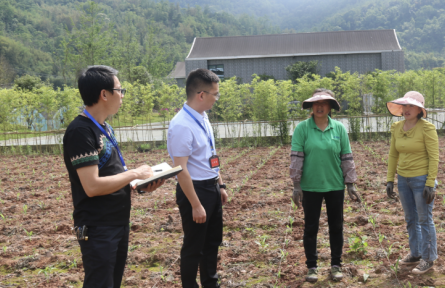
84,145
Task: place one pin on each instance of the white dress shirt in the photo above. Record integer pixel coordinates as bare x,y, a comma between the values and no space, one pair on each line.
187,138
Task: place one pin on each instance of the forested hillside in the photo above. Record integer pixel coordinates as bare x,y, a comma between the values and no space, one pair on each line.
54,38
419,23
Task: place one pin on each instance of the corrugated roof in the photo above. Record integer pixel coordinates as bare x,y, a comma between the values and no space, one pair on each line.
297,44
179,71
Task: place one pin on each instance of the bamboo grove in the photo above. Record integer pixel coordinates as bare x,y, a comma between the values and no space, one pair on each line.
274,102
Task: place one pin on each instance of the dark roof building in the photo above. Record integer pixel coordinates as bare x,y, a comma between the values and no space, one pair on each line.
178,73
242,56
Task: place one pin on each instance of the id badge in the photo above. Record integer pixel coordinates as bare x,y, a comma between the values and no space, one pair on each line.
214,161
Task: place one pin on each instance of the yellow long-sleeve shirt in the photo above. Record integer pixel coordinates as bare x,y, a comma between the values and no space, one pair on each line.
416,151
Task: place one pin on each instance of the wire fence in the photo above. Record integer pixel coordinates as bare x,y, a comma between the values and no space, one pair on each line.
235,134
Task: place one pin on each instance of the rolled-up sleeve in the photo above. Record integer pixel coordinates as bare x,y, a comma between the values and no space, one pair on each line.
393,157
432,148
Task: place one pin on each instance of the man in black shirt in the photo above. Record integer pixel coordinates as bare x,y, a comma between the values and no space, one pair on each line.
99,179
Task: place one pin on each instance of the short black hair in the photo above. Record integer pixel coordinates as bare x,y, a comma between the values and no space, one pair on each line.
93,80
198,79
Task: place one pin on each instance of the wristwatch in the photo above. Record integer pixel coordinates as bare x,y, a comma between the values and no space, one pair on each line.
222,186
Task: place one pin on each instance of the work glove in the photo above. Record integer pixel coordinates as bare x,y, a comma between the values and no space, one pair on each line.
429,193
390,190
352,191
297,195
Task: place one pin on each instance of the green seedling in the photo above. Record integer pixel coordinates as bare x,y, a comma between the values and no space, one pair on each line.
4,249
372,221
25,208
283,254
390,249
134,247
381,237
358,244
29,234
162,272
18,196
47,272
395,267
3,217
73,265
262,242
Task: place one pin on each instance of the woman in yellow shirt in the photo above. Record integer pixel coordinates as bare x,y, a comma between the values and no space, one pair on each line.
415,153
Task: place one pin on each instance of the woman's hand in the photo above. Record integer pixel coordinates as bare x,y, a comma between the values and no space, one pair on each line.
352,191
390,190
429,193
297,195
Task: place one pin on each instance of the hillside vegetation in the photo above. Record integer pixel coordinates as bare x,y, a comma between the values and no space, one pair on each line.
418,22
54,38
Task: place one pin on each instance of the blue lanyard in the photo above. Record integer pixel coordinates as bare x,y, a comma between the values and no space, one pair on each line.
200,125
112,140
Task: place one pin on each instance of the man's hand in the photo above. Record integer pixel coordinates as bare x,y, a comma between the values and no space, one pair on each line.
352,191
199,214
224,196
152,186
143,172
390,190
297,195
428,194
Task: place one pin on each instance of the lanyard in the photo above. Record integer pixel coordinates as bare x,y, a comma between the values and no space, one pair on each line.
200,125
112,140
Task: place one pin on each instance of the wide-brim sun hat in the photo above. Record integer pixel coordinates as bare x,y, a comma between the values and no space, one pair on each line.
320,97
395,107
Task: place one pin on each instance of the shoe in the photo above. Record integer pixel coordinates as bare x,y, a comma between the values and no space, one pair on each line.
336,273
312,275
410,260
423,267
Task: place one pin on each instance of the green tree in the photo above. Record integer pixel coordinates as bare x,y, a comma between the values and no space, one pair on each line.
301,68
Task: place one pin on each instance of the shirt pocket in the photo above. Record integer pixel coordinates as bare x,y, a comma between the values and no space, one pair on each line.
335,143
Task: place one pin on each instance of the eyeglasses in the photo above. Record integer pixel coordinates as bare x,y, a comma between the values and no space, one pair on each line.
217,95
122,91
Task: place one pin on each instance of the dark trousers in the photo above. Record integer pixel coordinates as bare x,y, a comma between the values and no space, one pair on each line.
312,207
104,256
201,241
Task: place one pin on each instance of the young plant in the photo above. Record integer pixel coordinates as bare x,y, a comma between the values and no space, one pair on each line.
25,208
358,244
47,272
262,242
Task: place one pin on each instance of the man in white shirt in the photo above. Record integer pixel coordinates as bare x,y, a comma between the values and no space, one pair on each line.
200,192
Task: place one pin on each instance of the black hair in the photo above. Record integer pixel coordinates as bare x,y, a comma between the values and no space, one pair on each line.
198,79
420,115
93,80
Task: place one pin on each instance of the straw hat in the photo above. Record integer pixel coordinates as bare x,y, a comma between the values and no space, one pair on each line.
410,98
320,96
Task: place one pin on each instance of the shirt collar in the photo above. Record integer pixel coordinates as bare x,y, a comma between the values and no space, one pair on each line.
314,126
200,117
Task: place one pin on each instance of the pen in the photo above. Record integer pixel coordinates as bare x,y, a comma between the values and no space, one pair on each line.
158,170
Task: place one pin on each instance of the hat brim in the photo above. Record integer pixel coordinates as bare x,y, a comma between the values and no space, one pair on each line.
395,107
307,104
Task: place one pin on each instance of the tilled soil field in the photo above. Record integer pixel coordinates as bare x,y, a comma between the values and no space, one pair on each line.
263,233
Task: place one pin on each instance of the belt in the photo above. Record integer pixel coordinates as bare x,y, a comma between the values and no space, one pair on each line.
212,181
